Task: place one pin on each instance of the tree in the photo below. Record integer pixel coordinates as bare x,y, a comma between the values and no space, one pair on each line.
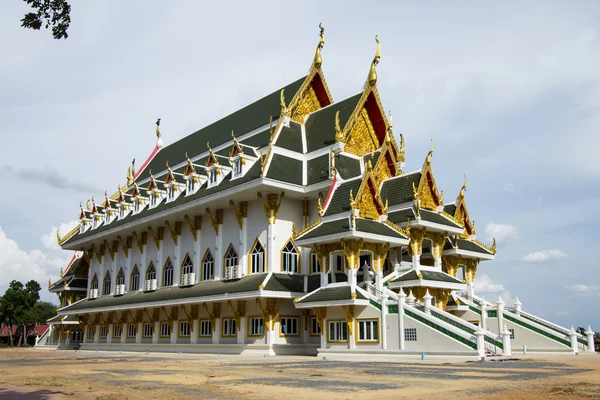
42,311
55,13
17,303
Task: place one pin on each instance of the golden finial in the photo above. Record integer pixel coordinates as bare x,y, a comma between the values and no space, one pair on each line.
385,208
294,230
132,168
391,121
232,135
369,166
320,207
87,205
428,158
339,137
494,246
158,130
352,200
61,272
332,158
208,145
49,283
284,109
464,187
129,176
373,71
318,60
402,144
167,164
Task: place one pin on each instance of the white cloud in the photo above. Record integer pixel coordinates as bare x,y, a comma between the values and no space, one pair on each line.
49,239
485,287
501,232
584,290
17,264
545,255
510,188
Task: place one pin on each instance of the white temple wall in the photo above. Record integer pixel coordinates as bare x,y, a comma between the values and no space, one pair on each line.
289,212
230,236
256,227
524,337
430,340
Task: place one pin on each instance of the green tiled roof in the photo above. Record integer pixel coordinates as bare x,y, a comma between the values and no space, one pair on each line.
340,200
348,167
401,216
317,169
399,190
427,275
252,174
450,208
335,293
78,283
343,225
377,228
286,283
434,217
468,245
291,138
259,140
320,125
247,283
244,120
367,157
327,228
285,169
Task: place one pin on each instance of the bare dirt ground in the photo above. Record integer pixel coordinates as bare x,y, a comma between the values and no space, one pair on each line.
45,374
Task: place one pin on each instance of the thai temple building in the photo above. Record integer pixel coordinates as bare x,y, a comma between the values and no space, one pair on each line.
288,227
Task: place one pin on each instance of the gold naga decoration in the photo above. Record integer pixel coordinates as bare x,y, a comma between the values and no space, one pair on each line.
140,241
352,249
195,226
156,238
305,211
270,312
137,317
238,312
212,316
155,316
339,135
426,194
438,239
216,220
125,244
173,316
373,71
285,111
306,229
61,240
320,313
192,315
174,232
271,206
349,315
241,213
416,241
99,253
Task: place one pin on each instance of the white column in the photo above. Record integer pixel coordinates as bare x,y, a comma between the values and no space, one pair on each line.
174,332
383,327
216,331
198,256
401,301
139,332
352,337
124,333
518,308
379,280
272,264
155,332
96,334
85,334
500,313
471,290
241,334
323,271
159,265
324,334
590,339
143,266
219,253
243,270
195,329
573,336
127,271
483,314
479,333
507,351
109,333
427,300
177,261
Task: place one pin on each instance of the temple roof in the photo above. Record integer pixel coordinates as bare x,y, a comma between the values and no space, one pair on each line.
399,189
341,226
428,276
331,294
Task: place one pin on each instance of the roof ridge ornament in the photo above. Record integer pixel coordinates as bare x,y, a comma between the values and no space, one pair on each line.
339,135
285,111
318,60
159,141
428,158
373,72
463,188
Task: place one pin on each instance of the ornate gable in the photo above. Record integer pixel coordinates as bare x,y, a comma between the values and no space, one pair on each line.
461,214
236,148
152,184
170,177
368,202
426,195
189,169
212,159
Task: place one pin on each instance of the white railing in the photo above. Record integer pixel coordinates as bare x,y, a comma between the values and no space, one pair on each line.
150,284
231,272
93,294
119,290
188,279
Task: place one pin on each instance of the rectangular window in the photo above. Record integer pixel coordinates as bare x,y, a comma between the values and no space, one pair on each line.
410,334
288,326
338,331
208,269
237,167
213,176
205,328
131,330
184,329
116,331
339,264
90,332
171,192
229,327
256,326
315,329
103,331
136,205
512,333
368,330
315,266
190,184
148,329
121,212
165,329
76,336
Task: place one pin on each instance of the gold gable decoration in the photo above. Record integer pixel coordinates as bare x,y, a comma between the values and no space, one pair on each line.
461,215
309,103
369,204
426,195
362,138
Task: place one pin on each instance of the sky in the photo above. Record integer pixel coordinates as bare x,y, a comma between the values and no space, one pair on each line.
509,91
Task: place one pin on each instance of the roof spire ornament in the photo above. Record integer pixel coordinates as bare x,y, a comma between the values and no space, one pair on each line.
133,167
428,158
463,188
339,136
159,141
318,60
285,112
373,72
129,176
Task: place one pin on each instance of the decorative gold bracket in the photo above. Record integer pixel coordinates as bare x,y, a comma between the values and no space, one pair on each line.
137,317
349,314
270,313
125,244
321,313
195,226
241,214
216,220
174,232
271,206
239,313
141,241
193,314
112,249
99,253
156,238
216,313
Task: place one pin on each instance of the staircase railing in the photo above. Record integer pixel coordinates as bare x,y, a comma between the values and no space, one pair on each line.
550,325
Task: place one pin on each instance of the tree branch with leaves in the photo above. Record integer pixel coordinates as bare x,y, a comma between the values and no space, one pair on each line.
49,13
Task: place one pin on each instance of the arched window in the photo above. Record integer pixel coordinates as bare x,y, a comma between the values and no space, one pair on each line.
168,273
150,272
208,266
257,258
289,258
315,263
121,277
106,284
231,263
187,267
94,282
135,279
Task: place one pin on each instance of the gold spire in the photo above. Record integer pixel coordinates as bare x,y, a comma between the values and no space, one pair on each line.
133,168
129,176
158,130
428,158
402,150
463,188
373,72
318,60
